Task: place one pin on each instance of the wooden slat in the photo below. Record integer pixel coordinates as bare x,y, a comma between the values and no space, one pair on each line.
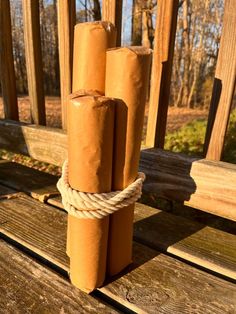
203,184
28,287
112,12
66,21
22,219
34,60
38,184
206,185
161,284
194,242
224,84
161,72
41,143
205,246
8,80
154,284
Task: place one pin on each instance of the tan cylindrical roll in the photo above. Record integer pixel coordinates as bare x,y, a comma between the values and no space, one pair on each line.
91,40
90,150
127,78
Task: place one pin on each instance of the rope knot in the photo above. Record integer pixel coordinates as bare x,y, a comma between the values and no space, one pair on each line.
97,205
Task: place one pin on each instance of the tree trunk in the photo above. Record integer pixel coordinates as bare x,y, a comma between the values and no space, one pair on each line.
186,33
96,10
56,51
148,30
136,36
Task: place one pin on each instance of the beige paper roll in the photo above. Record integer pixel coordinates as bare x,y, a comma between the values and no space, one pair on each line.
91,40
90,150
127,78
70,219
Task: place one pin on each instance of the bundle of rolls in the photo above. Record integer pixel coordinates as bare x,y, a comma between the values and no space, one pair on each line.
105,121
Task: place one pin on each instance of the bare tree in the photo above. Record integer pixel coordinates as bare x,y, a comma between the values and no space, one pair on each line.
196,49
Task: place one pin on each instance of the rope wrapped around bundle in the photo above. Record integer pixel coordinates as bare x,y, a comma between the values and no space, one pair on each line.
97,205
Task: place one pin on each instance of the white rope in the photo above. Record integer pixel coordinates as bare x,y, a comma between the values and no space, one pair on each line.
97,205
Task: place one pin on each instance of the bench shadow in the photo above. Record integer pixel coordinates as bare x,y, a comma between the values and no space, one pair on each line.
153,235
25,179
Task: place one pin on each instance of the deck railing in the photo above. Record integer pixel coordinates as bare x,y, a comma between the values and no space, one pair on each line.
50,145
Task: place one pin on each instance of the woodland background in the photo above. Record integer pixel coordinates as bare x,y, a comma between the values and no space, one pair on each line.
196,49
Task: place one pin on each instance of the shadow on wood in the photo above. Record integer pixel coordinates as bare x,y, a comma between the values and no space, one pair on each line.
215,99
33,182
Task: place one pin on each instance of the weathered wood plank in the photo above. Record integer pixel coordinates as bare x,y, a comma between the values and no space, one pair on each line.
224,85
154,284
66,21
28,287
194,242
33,57
206,185
44,144
38,184
161,72
23,219
203,184
112,12
205,246
160,284
8,80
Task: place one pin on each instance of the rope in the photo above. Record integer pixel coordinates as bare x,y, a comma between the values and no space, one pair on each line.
97,205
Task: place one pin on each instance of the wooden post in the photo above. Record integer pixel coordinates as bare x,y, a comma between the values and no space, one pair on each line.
224,84
112,12
34,60
8,80
161,72
66,22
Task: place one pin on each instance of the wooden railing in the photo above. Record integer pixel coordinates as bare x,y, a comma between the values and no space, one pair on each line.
50,144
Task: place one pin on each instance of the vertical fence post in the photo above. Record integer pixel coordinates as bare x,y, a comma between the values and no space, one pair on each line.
33,56
224,84
66,21
8,80
112,12
161,72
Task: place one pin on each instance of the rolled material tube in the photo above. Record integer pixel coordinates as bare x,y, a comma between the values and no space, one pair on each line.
90,150
127,79
91,40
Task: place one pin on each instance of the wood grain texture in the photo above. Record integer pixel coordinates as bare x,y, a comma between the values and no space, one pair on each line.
44,144
206,185
7,71
28,287
205,246
36,226
194,242
161,72
160,284
66,22
224,85
112,12
154,284
38,184
33,57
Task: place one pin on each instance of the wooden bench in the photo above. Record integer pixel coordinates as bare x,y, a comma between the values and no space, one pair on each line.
179,265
